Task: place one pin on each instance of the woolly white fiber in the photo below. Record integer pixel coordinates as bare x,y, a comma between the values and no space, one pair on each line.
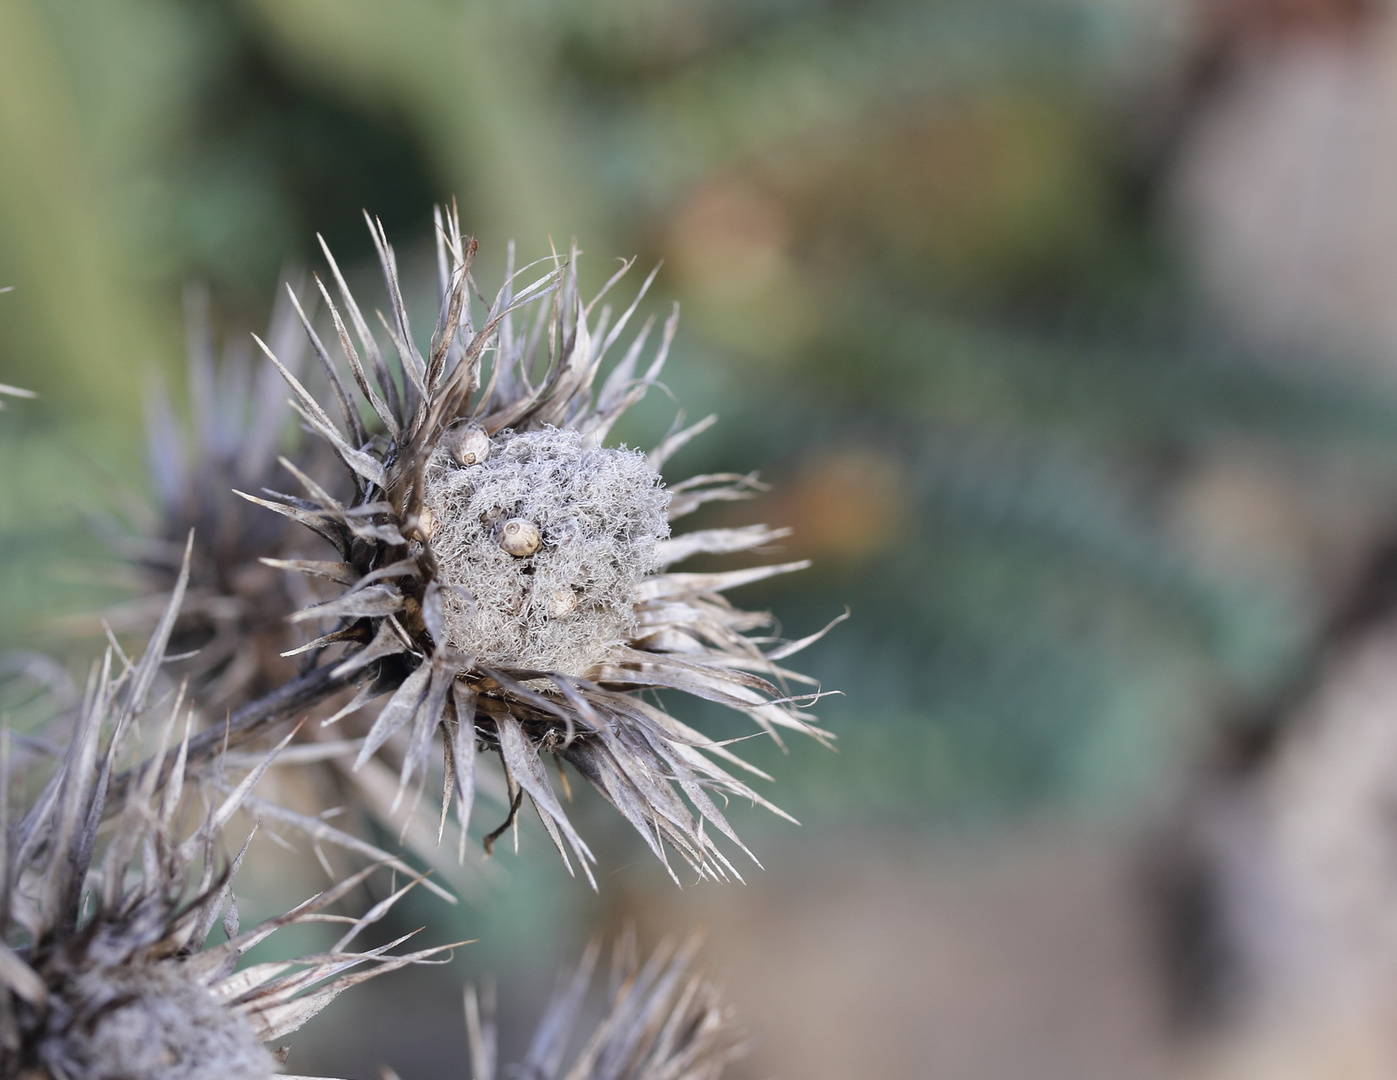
599,512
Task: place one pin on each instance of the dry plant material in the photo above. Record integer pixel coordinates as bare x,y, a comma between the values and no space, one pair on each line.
13,391
507,576
231,629
501,577
664,1020
105,968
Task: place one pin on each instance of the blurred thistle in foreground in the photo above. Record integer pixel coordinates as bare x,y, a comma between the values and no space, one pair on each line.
507,575
664,1021
105,971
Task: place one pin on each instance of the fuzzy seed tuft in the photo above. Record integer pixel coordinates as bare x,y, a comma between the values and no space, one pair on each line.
544,527
153,1021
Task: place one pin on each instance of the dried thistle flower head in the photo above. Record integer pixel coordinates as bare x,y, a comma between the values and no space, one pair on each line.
508,575
105,971
664,1020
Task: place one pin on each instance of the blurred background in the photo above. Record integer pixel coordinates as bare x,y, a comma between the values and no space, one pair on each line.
1066,334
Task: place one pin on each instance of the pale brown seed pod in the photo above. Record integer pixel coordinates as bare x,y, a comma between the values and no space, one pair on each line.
426,523
520,537
562,602
471,446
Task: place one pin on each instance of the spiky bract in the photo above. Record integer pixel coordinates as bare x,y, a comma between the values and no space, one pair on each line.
461,641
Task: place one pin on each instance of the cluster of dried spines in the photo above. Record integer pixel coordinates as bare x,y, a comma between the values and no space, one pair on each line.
664,1020
105,968
507,576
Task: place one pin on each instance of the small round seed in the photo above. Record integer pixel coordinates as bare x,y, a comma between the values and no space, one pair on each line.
562,602
520,537
471,446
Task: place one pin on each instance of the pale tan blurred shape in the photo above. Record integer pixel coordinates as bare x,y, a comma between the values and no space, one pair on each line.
845,504
1254,516
1286,190
910,959
728,246
1338,1051
1309,886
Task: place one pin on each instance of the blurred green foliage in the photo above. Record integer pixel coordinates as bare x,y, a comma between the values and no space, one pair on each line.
923,280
